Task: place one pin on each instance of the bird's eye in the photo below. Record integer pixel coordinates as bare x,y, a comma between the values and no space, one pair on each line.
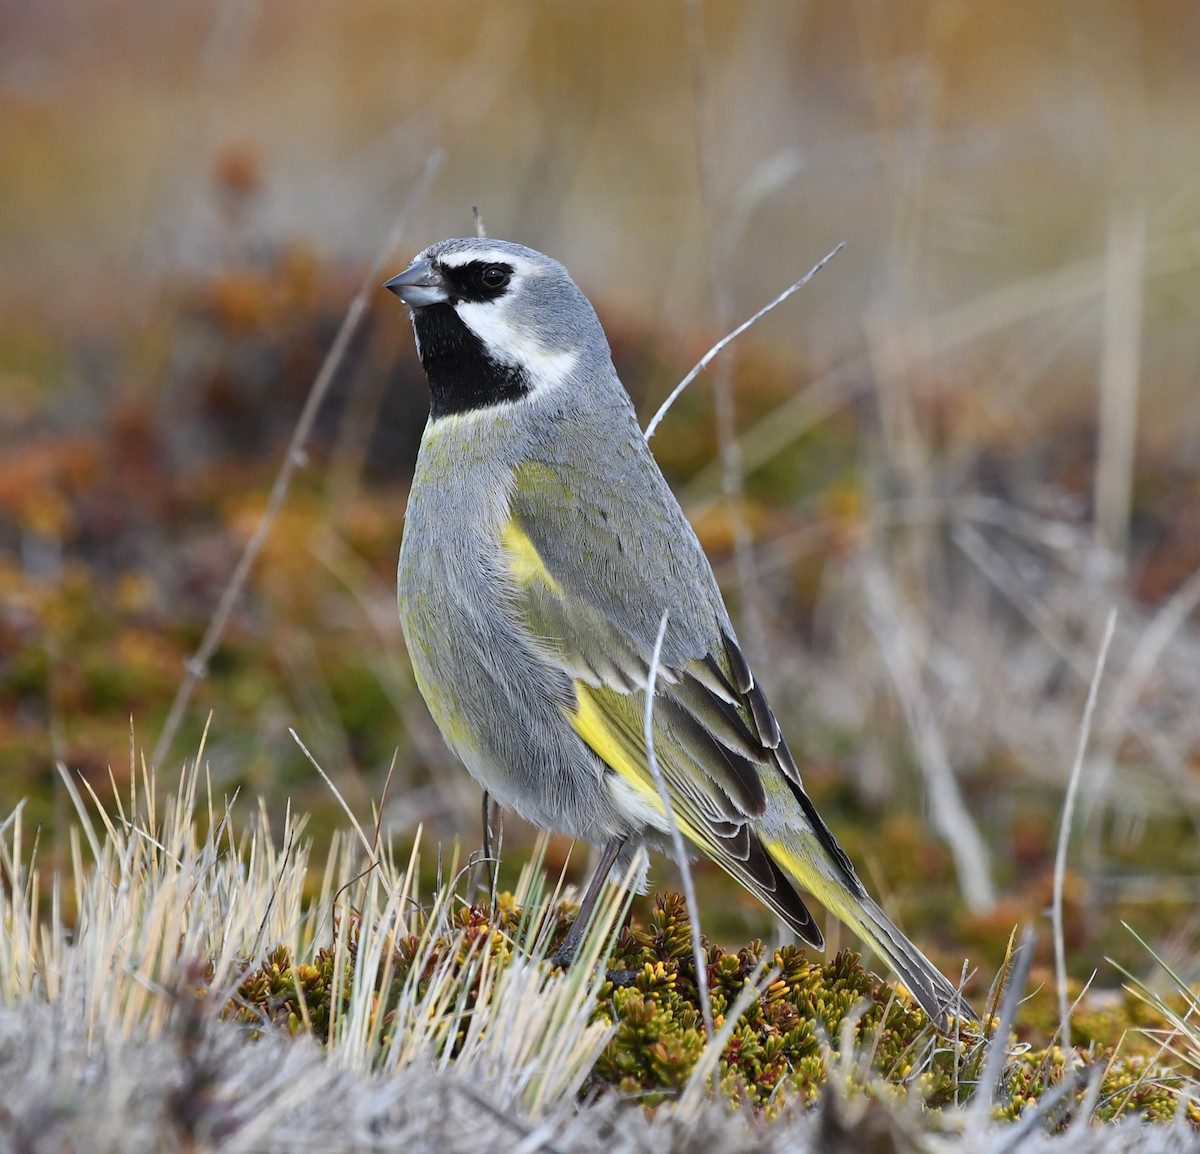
495,276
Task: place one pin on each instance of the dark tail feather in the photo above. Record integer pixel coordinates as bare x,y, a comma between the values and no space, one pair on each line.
937,996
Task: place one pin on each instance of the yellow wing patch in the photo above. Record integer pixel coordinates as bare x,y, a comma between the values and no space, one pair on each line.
524,562
610,745
623,750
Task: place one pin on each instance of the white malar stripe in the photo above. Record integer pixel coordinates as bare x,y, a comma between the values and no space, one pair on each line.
488,320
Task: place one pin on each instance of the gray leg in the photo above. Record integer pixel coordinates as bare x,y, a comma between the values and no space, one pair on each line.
565,954
488,855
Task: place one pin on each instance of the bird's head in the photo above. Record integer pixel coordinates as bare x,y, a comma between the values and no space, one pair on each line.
495,323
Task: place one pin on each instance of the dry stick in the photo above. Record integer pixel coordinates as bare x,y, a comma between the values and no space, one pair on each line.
1064,833
722,242
706,360
689,890
898,643
196,666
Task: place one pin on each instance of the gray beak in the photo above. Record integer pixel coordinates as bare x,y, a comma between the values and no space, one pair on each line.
419,284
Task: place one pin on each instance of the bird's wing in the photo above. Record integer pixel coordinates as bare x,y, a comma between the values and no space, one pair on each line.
591,587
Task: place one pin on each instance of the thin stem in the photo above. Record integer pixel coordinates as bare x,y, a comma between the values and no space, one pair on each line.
1064,834
706,360
196,666
681,857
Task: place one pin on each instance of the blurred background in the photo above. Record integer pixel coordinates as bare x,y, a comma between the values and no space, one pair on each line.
924,480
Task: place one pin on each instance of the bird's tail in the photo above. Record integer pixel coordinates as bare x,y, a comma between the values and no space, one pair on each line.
852,906
937,996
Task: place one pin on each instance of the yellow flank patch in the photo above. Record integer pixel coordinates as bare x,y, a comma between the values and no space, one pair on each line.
595,728
524,562
625,754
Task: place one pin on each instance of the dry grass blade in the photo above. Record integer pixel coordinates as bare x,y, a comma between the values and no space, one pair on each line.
1124,282
367,843
1064,833
897,637
677,842
1017,964
1185,1022
706,360
162,900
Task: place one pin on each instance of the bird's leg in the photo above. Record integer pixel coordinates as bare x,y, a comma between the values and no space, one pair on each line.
484,864
489,860
565,954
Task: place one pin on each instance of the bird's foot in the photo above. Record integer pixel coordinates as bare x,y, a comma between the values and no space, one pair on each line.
564,958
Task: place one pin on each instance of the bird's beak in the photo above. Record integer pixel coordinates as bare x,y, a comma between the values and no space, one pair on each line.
419,284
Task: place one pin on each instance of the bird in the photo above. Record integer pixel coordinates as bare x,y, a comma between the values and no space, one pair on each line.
541,547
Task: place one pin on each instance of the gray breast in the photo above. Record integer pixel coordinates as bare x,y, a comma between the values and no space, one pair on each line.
498,704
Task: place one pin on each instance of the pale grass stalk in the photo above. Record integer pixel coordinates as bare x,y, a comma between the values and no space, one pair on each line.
1072,284
1016,964
560,1042
480,968
336,866
18,948
570,1042
52,941
530,896
530,1033
528,1030
1064,833
1184,1039
1120,356
677,843
527,1033
706,360
359,1027
152,903
367,843
897,636
155,901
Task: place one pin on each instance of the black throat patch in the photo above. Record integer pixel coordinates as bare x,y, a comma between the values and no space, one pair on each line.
462,375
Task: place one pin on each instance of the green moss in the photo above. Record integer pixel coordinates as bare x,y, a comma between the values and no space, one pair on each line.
781,1049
